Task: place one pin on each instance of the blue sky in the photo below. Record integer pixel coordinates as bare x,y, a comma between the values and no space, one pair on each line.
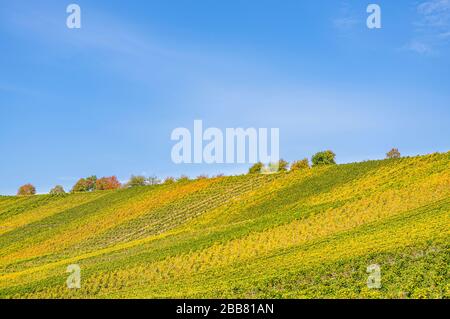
105,98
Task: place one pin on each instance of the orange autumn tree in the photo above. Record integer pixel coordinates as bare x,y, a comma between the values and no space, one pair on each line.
106,183
26,190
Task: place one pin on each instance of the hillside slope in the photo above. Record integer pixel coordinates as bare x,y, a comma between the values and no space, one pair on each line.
305,234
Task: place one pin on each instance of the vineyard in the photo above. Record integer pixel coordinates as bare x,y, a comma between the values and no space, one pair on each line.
310,233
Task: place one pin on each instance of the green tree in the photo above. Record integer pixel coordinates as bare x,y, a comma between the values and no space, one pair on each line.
256,168
299,165
136,181
26,190
80,186
283,165
169,180
183,178
324,158
57,190
91,182
85,185
393,153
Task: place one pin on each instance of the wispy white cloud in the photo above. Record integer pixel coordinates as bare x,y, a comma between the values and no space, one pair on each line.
435,13
432,27
346,19
104,33
419,47
345,23
445,35
8,88
119,45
